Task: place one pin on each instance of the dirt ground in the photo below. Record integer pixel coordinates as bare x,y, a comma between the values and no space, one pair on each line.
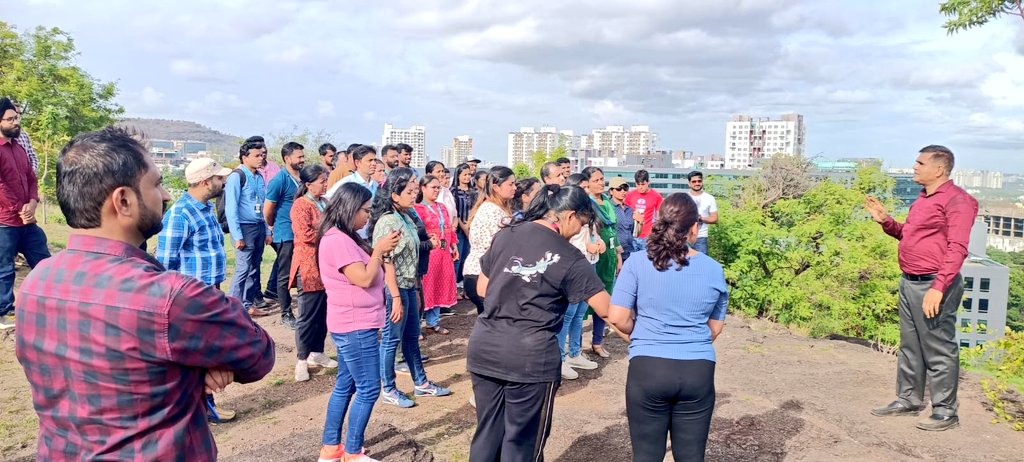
780,397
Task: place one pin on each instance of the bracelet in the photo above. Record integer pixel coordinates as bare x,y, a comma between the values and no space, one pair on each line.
395,296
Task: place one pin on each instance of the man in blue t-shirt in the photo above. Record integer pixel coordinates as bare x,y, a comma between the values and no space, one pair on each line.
277,211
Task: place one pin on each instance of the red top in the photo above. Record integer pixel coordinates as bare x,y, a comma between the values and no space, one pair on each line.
934,238
116,350
305,215
17,182
648,203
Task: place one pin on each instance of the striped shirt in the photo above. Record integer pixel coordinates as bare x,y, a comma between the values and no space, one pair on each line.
192,241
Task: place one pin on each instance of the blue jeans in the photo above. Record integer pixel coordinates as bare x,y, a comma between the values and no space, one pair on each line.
406,331
432,316
246,281
701,245
357,377
598,337
28,240
572,327
463,246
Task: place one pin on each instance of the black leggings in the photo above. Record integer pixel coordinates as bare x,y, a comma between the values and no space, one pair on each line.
469,283
669,396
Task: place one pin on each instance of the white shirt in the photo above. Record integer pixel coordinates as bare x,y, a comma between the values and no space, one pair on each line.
353,178
706,205
448,199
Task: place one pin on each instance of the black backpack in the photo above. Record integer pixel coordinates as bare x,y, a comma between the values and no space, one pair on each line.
221,216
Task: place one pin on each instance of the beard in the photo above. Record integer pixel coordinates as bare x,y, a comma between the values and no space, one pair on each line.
297,166
11,133
150,223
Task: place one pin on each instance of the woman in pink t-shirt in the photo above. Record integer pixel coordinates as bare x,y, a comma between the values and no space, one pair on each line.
353,277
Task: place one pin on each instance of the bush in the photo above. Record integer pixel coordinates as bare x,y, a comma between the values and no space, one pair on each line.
1003,361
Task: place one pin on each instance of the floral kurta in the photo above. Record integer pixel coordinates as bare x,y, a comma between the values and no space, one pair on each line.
439,282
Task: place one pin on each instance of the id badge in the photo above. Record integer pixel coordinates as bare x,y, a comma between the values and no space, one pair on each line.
258,208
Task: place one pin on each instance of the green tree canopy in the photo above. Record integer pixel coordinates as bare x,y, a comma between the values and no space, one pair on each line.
59,98
966,14
537,160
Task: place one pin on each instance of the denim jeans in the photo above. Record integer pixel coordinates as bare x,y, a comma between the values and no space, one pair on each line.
598,337
432,316
406,332
701,245
28,240
246,281
357,378
463,246
572,327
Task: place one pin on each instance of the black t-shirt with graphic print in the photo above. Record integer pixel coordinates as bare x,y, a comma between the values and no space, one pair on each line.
534,273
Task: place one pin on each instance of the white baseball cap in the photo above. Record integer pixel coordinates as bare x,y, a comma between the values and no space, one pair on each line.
204,168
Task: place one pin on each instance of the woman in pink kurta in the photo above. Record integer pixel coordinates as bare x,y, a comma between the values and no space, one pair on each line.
439,282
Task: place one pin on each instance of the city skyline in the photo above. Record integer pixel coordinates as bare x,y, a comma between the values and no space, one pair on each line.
870,79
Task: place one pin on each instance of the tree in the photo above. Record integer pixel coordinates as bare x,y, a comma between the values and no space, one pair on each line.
304,136
966,14
537,160
59,99
781,177
1015,300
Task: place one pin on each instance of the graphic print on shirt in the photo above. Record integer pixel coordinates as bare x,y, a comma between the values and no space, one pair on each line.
531,272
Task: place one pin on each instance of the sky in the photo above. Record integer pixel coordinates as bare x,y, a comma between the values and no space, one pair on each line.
872,78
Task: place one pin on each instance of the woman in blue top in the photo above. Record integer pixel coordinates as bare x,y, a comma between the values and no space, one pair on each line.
672,302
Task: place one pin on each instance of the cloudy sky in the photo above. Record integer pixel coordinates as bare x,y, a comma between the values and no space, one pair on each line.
872,78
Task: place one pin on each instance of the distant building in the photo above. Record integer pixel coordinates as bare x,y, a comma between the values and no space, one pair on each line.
176,153
462,150
1005,226
447,156
616,141
415,136
973,179
748,139
523,143
986,291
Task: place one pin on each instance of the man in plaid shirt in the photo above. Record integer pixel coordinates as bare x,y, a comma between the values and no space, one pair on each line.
117,350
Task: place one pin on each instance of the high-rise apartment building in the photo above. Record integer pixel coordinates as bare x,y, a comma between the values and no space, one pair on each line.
750,139
616,141
462,150
986,293
977,179
415,136
523,143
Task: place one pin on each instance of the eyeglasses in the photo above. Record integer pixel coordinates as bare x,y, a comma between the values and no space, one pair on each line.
364,209
11,119
622,188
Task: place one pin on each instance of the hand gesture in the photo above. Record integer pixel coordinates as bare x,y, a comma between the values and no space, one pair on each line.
388,243
932,300
240,244
216,380
638,216
875,208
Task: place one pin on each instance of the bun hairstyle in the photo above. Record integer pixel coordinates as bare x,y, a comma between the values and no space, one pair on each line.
308,174
668,243
424,181
522,187
554,198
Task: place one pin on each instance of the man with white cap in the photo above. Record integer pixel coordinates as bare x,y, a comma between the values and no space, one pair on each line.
192,242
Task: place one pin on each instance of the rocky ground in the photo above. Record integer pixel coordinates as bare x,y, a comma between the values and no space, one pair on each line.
780,397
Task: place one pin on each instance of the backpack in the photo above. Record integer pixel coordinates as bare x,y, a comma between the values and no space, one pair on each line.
221,216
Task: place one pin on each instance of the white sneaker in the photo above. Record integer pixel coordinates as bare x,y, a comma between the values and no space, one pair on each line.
320,359
568,373
580,362
359,458
301,371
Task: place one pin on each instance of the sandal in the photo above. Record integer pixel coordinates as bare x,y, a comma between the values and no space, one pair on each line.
257,312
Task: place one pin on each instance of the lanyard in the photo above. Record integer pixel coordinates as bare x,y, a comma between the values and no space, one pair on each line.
438,214
318,203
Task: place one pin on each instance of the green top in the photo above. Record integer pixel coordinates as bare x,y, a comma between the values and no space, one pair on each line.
608,260
406,253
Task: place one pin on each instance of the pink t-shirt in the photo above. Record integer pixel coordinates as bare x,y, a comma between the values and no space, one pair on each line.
349,307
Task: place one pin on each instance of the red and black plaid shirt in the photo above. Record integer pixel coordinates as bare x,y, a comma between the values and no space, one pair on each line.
116,348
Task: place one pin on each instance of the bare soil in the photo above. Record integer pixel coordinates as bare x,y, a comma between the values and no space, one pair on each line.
781,396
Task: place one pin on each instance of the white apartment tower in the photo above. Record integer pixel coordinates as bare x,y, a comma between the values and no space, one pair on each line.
523,143
462,150
749,139
615,141
415,136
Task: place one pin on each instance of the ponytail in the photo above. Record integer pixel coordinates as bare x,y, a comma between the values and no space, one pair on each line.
554,198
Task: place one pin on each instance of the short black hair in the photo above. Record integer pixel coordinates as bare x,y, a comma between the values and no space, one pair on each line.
641,176
403,147
352,147
548,169
91,166
357,153
386,148
244,149
694,174
255,139
290,147
563,161
327,147
940,154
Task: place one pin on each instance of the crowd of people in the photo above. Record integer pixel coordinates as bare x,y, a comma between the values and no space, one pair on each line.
140,343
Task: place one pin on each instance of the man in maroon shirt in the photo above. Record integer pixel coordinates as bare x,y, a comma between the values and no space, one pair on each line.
19,194
117,350
932,248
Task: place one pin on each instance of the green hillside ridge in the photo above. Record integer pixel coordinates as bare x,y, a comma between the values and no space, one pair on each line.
220,143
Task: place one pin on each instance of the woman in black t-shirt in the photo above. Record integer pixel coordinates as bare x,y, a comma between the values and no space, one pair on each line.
529,276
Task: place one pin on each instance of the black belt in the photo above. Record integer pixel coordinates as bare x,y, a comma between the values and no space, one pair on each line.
918,277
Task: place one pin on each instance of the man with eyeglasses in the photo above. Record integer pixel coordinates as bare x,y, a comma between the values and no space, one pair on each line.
617,188
19,195
706,207
243,209
26,143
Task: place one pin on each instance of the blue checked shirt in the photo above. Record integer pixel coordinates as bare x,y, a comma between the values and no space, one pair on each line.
191,241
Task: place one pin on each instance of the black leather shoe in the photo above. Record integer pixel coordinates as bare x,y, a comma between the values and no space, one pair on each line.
895,408
938,423
289,321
